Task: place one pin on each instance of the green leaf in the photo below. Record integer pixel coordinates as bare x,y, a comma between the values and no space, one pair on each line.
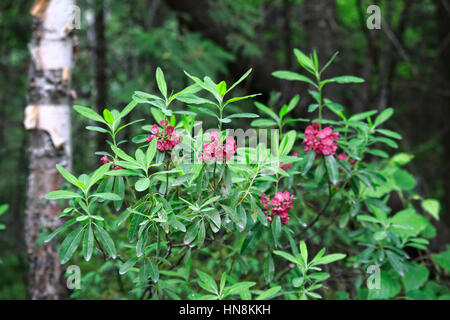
107,196
268,293
390,134
267,111
389,288
383,116
407,223
142,184
432,206
333,172
89,113
237,288
292,76
3,208
70,245
67,175
304,60
62,194
329,62
263,123
128,265
108,116
345,79
207,282
154,271
151,151
161,82
415,276
107,242
240,80
223,280
221,88
309,160
330,258
288,257
304,252
243,115
276,229
88,243
128,108
98,174
443,259
288,142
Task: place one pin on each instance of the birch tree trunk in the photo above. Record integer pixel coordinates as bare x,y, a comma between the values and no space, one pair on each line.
47,116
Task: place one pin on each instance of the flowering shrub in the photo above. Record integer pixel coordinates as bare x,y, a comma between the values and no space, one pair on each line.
190,206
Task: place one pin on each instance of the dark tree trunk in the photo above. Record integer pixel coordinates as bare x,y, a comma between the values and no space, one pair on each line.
100,66
47,116
443,73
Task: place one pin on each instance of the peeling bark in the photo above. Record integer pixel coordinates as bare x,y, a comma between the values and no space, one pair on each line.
51,49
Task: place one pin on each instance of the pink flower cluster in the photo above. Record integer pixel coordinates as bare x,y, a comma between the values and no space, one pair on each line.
215,150
323,141
280,204
344,157
167,138
289,165
105,160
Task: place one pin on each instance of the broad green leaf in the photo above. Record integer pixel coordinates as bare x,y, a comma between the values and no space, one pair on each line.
268,293
304,60
345,79
288,257
415,276
108,116
67,175
267,111
62,194
89,113
88,243
332,168
383,116
330,258
288,142
70,245
161,82
98,174
128,265
304,252
107,242
432,206
142,184
221,88
292,76
107,196
207,282
263,123
309,160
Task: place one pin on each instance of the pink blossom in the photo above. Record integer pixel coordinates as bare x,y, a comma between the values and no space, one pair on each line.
154,129
166,140
169,130
117,168
342,156
321,141
289,165
105,159
215,150
280,204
